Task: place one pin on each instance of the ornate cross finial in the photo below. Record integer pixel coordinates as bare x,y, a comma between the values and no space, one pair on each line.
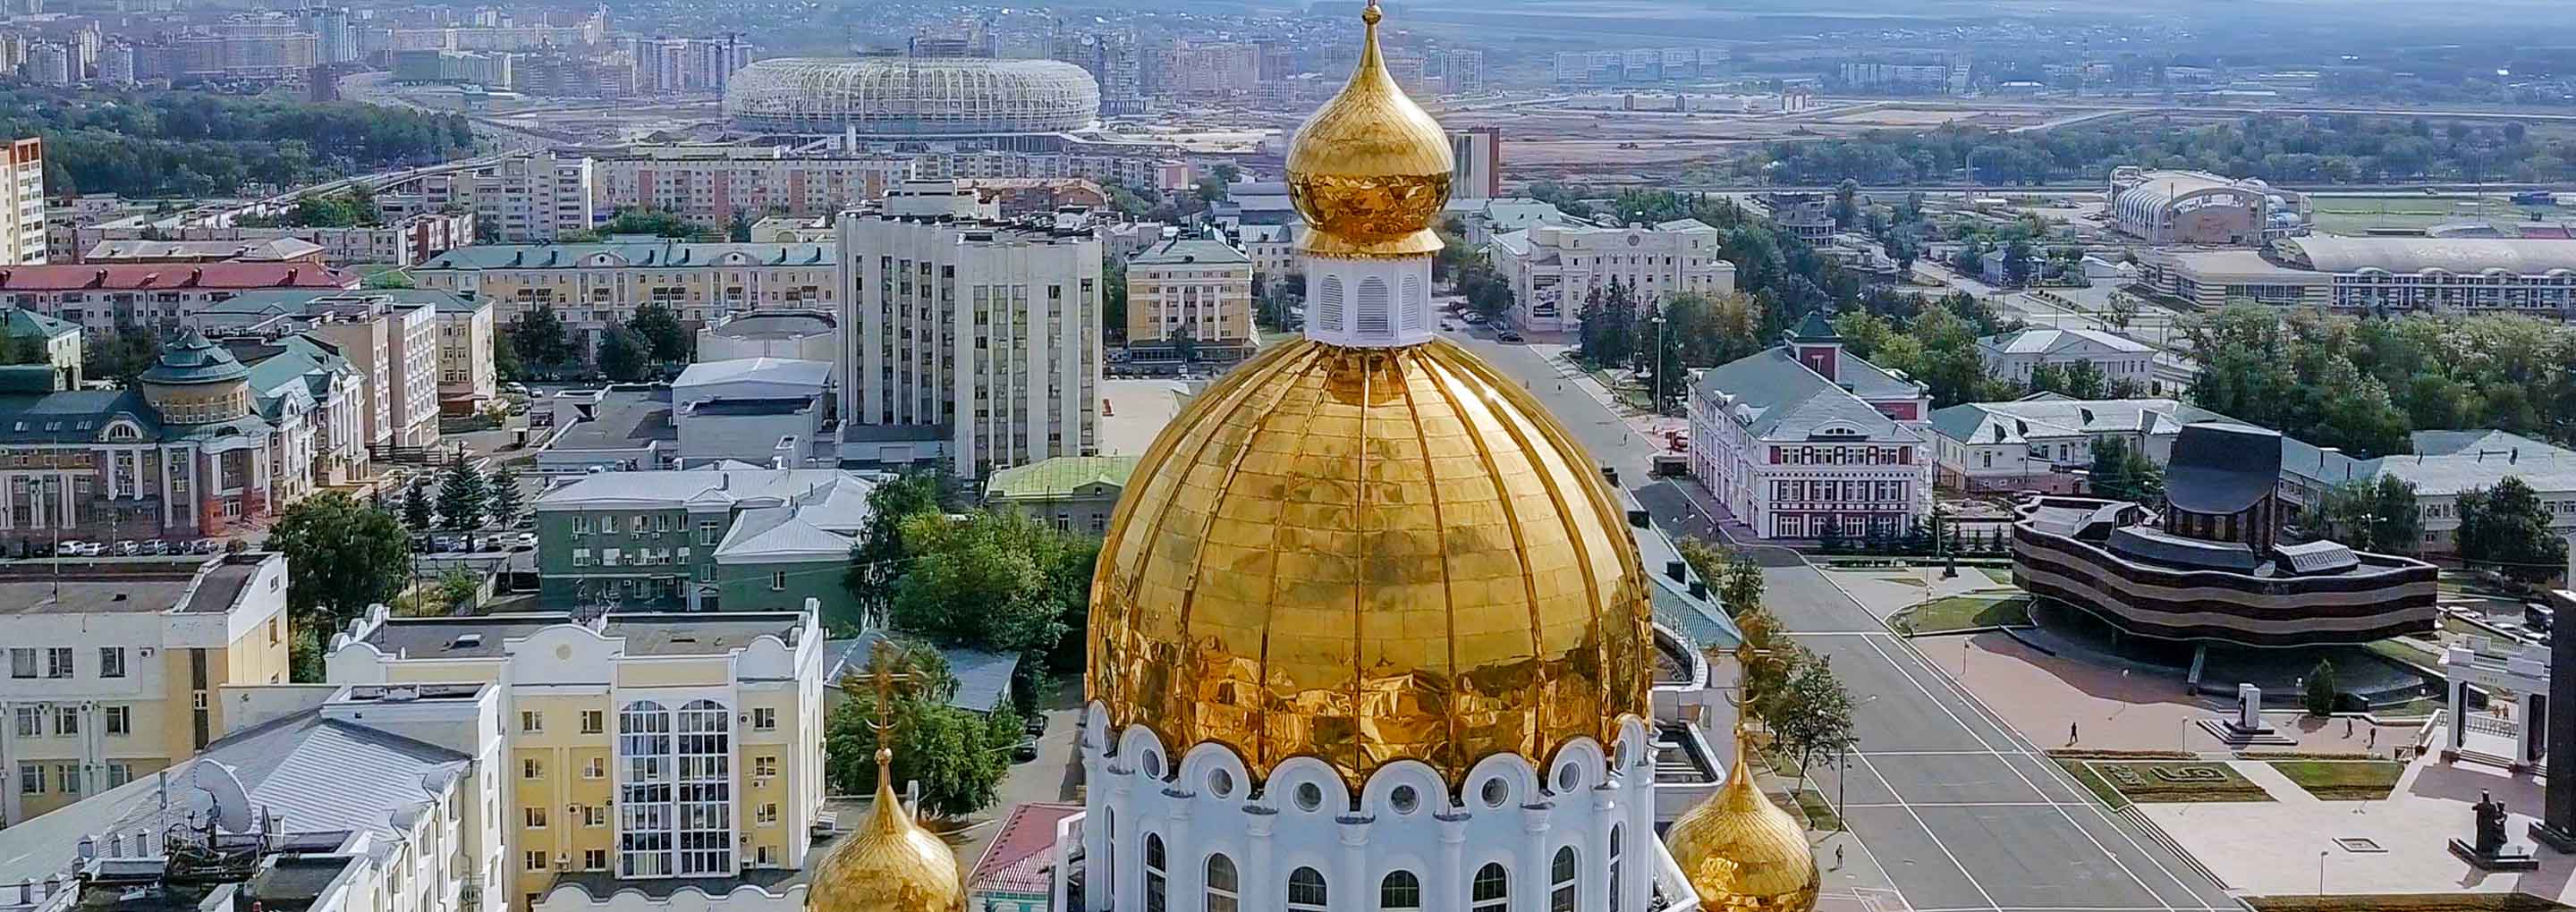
881,661
1744,656
1370,13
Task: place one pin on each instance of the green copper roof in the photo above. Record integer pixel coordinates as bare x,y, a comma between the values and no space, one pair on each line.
192,359
1059,476
1815,328
19,321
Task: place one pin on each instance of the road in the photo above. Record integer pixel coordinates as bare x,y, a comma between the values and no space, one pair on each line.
1963,814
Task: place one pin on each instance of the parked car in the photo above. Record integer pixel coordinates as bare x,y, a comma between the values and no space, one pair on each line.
156,546
206,546
1472,317
1035,725
524,541
1508,336
81,549
128,548
1025,751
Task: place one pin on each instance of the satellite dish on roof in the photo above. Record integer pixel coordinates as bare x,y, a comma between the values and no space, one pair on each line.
219,797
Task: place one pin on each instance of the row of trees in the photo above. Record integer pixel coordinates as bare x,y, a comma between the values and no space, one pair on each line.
347,208
465,501
537,342
2364,384
146,144
1793,691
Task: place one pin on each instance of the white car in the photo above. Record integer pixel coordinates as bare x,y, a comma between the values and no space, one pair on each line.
78,548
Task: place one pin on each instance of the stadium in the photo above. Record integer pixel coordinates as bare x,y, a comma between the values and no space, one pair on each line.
912,97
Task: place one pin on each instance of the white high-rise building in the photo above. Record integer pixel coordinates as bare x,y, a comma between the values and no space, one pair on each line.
986,329
22,204
1554,269
533,197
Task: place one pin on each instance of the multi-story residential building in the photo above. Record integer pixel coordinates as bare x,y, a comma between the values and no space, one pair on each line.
2444,465
1161,169
2012,356
116,666
49,63
665,65
228,56
1192,289
1272,249
390,338
338,447
535,197
1554,269
641,754
710,184
2045,442
2373,274
1463,73
704,540
1805,441
22,204
270,250
1072,493
190,450
1478,154
467,378
977,343
100,298
60,341
594,286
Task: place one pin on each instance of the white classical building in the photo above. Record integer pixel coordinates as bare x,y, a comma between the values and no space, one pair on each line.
2012,356
1555,268
2045,442
1803,440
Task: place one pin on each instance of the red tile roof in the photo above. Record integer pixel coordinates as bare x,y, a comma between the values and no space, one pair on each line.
1017,859
169,276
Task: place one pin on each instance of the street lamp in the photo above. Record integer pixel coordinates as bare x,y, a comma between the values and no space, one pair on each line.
1658,366
2321,870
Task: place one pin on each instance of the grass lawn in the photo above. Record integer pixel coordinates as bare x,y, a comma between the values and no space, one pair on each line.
2358,214
1962,612
2092,781
1820,813
2343,780
2406,902
2001,575
2154,781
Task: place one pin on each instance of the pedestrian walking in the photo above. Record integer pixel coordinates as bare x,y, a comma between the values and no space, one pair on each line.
2373,742
1838,856
2070,734
2347,726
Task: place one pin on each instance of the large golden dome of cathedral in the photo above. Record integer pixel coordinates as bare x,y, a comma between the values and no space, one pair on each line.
1368,555
888,864
1741,852
1369,170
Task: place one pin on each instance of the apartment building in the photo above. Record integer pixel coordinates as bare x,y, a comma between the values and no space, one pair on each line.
1191,289
970,341
703,540
1166,173
641,755
594,286
709,184
390,337
534,197
117,666
60,341
100,298
2012,356
22,204
1554,269
467,377
301,368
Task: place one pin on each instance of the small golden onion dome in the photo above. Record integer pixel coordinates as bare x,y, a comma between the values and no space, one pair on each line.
1368,555
1369,170
1741,852
888,864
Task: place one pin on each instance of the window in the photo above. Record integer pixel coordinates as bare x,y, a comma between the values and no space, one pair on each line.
594,816
1400,890
22,663
120,720
706,531
764,719
536,818
1614,866
777,580
536,861
608,524
1306,890
581,525
68,776
58,662
31,779
66,721
764,766
596,768
1222,884
532,721
594,859
31,722
1153,873
593,721
119,773
1560,878
111,661
1492,891
766,814
532,768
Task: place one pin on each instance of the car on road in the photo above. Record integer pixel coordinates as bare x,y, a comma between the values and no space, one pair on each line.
1446,326
156,546
1508,336
1472,318
127,548
205,546
76,548
1035,725
524,541
1025,751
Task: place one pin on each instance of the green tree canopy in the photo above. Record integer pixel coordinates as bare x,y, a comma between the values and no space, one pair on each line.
346,556
2506,527
662,332
624,355
957,757
2121,472
991,579
462,498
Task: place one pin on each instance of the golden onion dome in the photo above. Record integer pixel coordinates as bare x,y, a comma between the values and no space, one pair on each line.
888,864
1367,555
1369,170
1740,851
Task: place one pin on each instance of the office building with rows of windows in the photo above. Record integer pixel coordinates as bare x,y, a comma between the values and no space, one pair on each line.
732,539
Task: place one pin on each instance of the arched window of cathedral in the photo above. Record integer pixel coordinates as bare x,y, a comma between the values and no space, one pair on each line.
1221,884
1153,873
1399,891
1306,890
1560,879
1493,889
1614,867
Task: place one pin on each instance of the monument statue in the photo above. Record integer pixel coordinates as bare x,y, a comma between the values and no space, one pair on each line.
2490,814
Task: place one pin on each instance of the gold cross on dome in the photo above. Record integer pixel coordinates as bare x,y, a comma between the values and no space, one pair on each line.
881,661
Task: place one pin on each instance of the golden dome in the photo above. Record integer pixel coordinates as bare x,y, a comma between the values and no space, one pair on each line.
1367,555
1369,170
1739,851
888,864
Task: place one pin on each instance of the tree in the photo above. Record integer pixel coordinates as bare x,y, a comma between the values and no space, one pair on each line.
994,580
2369,515
2017,262
1113,297
502,497
122,355
537,334
738,229
624,355
2507,527
957,758
461,496
458,591
1735,577
1811,716
878,555
1845,208
347,555
660,327
415,507
2121,472
505,358
2081,379
2322,693
655,222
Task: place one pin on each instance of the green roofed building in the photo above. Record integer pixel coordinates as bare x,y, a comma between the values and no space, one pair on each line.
33,338
1072,493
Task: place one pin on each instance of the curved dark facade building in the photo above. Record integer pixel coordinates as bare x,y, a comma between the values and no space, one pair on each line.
2215,570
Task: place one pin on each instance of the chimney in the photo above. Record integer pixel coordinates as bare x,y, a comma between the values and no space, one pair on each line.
1611,474
1637,518
1677,570
1699,589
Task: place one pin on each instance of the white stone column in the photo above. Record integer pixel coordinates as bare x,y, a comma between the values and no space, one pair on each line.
1184,871
1126,837
1350,889
1530,894
1592,871
1637,841
1259,875
1452,879
2459,712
